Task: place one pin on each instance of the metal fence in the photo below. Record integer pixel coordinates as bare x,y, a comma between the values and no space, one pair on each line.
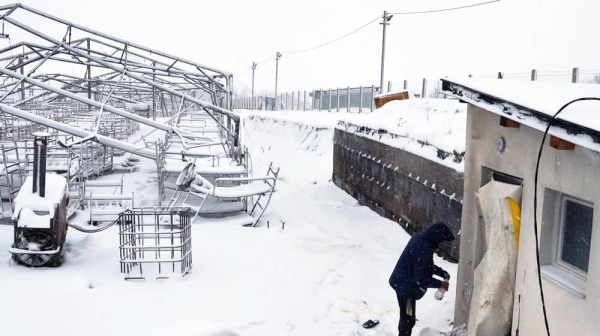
431,87
349,99
361,99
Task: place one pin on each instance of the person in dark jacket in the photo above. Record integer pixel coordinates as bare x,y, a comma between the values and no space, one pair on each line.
414,272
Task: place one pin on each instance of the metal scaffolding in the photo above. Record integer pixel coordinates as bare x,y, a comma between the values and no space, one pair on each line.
109,77
91,92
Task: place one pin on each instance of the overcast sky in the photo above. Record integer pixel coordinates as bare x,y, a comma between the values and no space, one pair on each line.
510,36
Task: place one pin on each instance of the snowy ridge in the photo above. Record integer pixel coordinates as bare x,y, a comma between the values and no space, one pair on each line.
434,129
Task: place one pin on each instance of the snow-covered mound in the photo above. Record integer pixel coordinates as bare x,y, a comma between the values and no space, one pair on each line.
431,128
304,146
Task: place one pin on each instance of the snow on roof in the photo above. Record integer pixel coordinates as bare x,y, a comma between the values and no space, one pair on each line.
534,103
431,128
55,189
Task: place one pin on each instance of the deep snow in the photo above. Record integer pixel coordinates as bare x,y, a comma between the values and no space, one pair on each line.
325,273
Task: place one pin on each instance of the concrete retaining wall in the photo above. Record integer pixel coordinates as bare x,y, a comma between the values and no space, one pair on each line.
399,185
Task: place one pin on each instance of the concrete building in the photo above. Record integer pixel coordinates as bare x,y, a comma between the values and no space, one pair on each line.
506,121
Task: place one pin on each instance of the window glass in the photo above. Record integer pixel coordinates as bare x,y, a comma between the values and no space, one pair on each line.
577,234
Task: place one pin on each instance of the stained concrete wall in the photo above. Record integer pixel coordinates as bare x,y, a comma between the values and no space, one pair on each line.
399,185
573,172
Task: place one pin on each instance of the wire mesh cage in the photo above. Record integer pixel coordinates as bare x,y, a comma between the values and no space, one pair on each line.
155,242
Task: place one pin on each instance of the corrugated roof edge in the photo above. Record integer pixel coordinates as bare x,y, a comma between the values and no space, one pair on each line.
524,115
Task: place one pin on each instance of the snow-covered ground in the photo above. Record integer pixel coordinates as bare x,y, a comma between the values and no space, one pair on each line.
420,126
324,273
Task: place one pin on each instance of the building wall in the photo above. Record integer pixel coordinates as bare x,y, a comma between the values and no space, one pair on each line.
573,172
404,187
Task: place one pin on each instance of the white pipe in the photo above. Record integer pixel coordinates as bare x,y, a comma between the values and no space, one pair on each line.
91,102
124,146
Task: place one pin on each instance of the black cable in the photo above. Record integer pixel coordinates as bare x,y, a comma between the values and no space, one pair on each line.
446,9
334,40
535,224
257,63
365,25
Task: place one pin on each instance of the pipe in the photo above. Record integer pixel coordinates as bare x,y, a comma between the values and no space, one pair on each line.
91,31
124,146
110,66
91,102
39,163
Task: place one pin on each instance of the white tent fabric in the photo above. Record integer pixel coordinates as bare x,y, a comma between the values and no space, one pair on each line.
493,293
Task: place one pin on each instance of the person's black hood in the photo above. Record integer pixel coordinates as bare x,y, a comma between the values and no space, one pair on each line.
439,233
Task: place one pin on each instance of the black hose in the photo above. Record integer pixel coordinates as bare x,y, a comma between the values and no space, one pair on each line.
535,224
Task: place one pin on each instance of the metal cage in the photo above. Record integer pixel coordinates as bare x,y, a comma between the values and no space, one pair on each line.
155,242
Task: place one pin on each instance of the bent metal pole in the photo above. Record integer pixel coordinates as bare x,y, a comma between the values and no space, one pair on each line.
94,103
127,73
110,142
146,81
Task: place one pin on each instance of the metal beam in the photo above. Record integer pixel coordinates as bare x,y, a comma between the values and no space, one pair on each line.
94,103
106,36
124,146
203,104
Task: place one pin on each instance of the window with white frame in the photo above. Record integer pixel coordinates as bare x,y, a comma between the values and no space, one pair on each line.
566,240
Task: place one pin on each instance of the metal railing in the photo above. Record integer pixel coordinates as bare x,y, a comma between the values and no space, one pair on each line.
349,99
431,87
361,99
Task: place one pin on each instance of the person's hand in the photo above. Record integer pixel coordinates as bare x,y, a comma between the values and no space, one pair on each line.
445,285
446,275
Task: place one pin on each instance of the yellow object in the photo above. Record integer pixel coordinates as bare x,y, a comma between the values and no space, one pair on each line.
515,210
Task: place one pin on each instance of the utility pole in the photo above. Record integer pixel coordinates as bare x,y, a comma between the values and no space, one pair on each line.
253,68
277,57
385,21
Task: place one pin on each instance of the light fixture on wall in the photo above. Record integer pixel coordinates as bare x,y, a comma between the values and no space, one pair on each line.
500,144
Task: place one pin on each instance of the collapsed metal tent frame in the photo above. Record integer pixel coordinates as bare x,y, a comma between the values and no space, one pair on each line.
90,92
115,77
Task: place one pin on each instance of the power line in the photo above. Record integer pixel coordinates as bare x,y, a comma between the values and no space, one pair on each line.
365,25
243,72
335,40
250,68
446,9
235,79
375,19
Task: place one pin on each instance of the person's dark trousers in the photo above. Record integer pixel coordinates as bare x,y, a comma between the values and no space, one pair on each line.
407,315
